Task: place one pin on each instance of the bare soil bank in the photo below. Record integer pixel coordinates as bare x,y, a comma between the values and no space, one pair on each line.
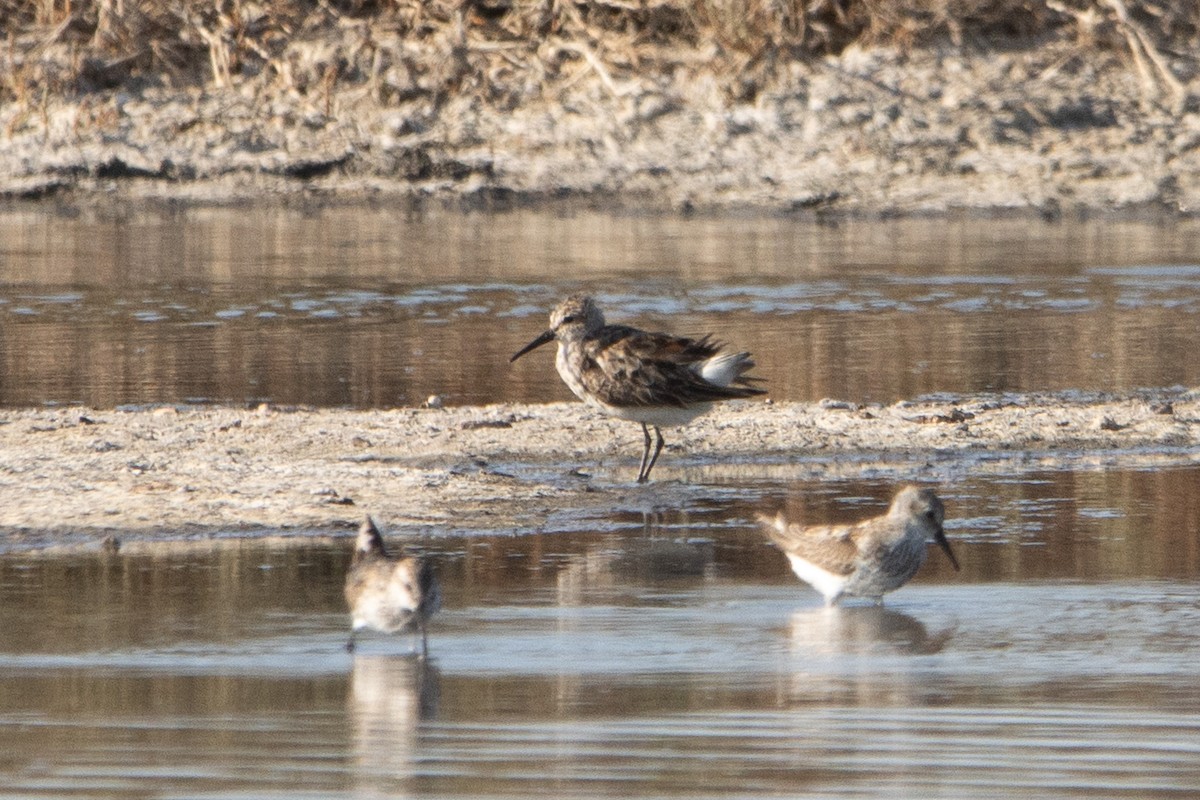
470,115
71,476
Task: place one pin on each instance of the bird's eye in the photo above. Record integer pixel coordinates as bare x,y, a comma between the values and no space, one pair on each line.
571,318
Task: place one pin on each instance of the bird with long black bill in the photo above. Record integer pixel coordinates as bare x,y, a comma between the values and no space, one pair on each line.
867,558
656,379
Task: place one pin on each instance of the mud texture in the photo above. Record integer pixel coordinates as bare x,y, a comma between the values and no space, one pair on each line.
71,477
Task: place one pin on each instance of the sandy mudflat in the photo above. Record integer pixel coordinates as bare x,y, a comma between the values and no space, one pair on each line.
71,476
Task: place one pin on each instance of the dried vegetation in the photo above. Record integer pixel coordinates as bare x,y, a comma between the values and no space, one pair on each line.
885,105
502,51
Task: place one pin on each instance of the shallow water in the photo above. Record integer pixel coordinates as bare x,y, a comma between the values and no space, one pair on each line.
659,648
668,655
366,307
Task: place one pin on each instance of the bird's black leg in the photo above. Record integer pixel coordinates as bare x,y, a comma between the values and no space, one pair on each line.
645,476
642,471
350,643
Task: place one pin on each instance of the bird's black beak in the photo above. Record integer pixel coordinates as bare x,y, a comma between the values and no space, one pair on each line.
939,536
536,343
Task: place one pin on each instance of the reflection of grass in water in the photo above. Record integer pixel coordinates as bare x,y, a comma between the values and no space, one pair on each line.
502,51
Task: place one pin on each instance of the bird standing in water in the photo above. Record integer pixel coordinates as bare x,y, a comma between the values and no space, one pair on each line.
656,379
868,558
386,593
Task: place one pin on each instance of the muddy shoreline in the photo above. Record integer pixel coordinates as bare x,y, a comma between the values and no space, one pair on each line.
69,477
1024,126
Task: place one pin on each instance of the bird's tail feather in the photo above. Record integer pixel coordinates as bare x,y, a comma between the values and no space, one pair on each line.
724,369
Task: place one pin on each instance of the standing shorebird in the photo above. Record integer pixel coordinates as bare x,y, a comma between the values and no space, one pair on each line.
657,379
868,558
389,594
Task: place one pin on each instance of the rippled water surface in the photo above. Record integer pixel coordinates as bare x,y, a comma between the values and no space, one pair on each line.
369,307
659,648
672,655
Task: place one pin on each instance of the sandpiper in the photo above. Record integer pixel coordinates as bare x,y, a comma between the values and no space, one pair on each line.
657,379
386,593
868,558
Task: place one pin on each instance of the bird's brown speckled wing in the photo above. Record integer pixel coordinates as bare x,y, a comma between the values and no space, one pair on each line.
832,547
624,366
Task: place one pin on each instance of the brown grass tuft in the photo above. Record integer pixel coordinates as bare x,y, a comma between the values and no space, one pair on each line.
506,49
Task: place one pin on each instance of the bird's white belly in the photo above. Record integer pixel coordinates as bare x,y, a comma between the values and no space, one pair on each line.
824,581
382,613
660,416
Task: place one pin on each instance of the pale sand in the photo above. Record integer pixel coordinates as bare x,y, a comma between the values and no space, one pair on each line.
71,476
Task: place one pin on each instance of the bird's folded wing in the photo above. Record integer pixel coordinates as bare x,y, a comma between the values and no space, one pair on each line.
627,367
830,546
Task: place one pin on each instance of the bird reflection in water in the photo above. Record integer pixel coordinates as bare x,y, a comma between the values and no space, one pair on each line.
388,698
863,630
636,560
857,663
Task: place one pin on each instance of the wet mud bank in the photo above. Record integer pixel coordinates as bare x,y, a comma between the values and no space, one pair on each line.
72,476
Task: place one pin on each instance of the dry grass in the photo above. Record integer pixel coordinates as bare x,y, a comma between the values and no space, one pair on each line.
504,50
